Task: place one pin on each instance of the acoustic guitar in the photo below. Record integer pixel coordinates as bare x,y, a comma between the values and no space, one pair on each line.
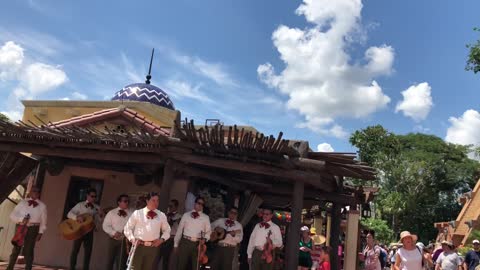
72,230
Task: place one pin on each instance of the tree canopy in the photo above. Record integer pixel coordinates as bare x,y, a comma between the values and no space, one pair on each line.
4,117
473,61
420,177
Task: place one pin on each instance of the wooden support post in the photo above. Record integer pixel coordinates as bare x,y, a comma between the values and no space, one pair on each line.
335,235
293,237
168,178
351,240
328,229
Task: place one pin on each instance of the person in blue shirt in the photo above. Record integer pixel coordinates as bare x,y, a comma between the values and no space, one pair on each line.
472,259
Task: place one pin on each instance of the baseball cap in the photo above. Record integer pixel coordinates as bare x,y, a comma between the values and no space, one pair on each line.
476,241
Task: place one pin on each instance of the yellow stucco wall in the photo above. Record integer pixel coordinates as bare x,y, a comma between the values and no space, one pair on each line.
38,111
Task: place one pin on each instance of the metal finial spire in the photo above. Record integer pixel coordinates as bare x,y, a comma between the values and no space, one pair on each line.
150,68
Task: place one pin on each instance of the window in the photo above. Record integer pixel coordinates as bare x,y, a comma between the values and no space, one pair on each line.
77,191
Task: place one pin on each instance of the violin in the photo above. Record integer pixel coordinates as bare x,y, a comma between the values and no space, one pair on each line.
19,237
202,253
267,254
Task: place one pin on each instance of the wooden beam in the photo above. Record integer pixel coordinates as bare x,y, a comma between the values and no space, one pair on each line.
293,237
191,171
168,178
91,154
310,178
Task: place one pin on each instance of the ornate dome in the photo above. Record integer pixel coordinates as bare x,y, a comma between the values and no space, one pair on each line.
145,92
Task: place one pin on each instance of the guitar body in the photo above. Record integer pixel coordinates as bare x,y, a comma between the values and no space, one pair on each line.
72,230
218,234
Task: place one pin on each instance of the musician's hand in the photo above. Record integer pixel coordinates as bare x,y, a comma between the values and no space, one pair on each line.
39,236
232,233
80,219
157,242
117,235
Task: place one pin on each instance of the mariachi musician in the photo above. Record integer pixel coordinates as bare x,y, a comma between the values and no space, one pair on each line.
194,230
36,222
78,212
165,251
262,233
147,229
113,225
232,234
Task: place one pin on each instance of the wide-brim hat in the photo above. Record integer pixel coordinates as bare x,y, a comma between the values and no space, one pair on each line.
405,234
318,239
313,231
448,243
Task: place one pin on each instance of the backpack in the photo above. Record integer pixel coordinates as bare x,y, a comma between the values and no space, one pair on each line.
382,258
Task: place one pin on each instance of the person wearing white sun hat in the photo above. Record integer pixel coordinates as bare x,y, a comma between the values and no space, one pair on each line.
472,258
408,257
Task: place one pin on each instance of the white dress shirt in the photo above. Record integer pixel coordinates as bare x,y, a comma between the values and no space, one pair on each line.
140,227
229,239
38,214
81,208
193,227
174,222
114,223
258,238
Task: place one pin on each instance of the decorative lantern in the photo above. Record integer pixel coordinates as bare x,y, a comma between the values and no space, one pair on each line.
366,211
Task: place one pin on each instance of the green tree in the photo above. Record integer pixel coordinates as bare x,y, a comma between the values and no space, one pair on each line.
473,61
4,117
383,233
420,177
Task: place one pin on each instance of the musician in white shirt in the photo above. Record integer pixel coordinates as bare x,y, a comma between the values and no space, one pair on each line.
113,225
165,251
36,211
148,228
224,251
258,238
78,213
194,229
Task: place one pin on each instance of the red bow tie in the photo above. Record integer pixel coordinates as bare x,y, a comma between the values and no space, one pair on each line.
151,214
89,205
264,225
32,203
195,214
122,213
229,223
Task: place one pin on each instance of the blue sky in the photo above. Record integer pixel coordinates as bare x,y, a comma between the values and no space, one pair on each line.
315,69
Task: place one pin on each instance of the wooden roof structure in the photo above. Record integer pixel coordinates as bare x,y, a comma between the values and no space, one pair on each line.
209,146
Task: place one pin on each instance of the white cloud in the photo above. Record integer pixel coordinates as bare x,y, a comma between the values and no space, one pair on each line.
181,89
79,96
320,78
39,77
417,102
11,60
31,78
325,147
465,129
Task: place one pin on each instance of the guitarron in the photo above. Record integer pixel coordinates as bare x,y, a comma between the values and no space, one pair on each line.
72,230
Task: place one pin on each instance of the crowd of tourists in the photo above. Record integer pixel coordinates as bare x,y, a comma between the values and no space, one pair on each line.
408,254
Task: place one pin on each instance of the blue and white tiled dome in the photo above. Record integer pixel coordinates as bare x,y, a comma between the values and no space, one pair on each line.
145,92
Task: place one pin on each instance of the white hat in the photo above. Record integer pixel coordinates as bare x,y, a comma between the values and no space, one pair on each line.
476,241
304,229
407,234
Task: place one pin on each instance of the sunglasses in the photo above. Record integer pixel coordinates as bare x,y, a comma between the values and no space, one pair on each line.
92,196
200,203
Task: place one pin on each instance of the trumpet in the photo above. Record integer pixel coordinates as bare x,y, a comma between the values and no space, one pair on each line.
131,254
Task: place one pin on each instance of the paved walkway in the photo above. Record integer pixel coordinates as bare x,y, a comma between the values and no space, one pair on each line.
3,266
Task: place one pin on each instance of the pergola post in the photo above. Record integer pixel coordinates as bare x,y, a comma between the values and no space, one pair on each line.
168,178
351,241
293,237
335,235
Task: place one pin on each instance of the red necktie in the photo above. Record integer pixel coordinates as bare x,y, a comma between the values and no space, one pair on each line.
122,213
264,225
151,214
195,214
32,203
229,223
